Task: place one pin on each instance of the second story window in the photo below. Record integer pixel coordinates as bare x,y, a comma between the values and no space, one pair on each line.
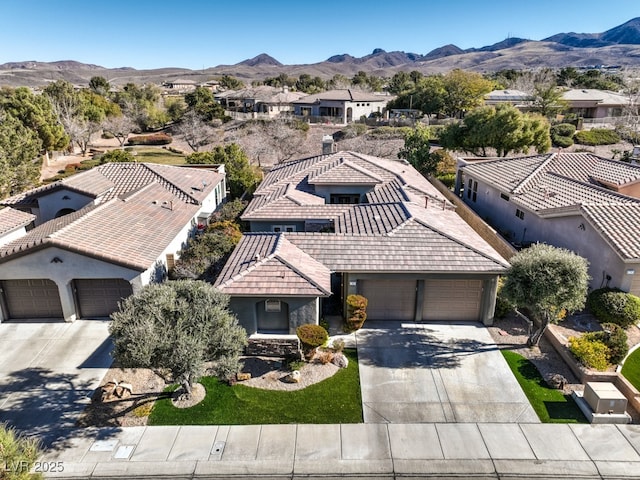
519,214
472,190
344,198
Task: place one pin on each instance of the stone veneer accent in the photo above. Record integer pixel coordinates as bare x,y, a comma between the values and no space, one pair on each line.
261,345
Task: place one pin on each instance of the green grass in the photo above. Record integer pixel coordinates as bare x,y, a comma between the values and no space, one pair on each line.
334,400
631,368
551,405
158,155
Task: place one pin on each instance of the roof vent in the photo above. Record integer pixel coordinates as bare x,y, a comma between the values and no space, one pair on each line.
257,257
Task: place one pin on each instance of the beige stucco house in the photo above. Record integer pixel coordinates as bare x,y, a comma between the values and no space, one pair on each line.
340,106
98,236
579,201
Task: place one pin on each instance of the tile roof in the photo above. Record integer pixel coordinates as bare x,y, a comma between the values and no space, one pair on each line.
132,232
113,180
268,264
412,247
145,209
345,172
287,191
11,219
572,183
519,175
346,95
601,97
619,225
406,226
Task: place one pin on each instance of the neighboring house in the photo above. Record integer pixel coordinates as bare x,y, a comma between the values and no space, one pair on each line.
99,236
517,98
576,201
180,85
596,104
262,101
340,106
332,225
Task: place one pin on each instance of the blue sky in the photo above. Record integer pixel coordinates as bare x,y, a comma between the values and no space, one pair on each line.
153,34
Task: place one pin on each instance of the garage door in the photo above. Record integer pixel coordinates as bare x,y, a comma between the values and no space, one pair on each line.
37,298
99,297
452,300
389,299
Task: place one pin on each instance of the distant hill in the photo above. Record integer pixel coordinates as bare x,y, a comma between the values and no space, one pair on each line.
261,60
618,46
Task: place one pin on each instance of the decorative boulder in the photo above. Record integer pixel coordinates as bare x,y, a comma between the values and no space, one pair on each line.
293,377
557,381
340,360
241,376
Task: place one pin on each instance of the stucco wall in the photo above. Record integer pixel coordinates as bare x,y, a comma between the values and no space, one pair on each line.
301,311
11,236
52,203
39,265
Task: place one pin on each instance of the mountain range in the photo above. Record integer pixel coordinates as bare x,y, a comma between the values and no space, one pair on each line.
618,46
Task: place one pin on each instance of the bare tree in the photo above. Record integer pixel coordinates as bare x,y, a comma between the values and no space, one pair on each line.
629,123
120,127
195,131
272,141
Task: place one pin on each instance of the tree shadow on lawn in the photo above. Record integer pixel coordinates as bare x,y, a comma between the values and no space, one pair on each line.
420,347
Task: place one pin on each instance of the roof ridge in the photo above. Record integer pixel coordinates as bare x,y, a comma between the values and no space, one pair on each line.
168,182
279,257
533,174
631,200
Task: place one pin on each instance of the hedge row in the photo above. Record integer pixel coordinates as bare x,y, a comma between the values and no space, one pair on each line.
154,139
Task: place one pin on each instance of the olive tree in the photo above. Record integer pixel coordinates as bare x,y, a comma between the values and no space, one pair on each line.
179,326
547,282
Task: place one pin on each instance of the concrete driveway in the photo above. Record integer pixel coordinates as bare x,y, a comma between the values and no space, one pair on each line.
436,372
48,372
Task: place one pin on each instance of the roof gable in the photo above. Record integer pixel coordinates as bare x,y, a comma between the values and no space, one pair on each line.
284,270
346,173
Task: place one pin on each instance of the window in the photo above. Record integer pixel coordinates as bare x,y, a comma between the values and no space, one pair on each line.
344,198
519,214
171,261
283,228
272,306
504,197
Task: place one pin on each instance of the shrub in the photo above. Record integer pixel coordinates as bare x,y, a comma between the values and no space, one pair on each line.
614,306
563,130
337,345
17,451
597,136
591,353
560,141
446,164
154,139
312,336
356,311
325,356
113,156
615,338
448,179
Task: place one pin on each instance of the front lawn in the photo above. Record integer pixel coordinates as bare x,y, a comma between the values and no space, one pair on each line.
631,368
158,155
334,400
551,405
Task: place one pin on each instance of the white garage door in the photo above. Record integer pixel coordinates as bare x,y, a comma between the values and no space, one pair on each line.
35,298
99,297
389,299
452,300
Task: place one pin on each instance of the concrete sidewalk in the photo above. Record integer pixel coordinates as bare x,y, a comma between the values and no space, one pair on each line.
388,451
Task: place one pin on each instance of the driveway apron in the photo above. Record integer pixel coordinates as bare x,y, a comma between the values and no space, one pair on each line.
48,370
436,372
